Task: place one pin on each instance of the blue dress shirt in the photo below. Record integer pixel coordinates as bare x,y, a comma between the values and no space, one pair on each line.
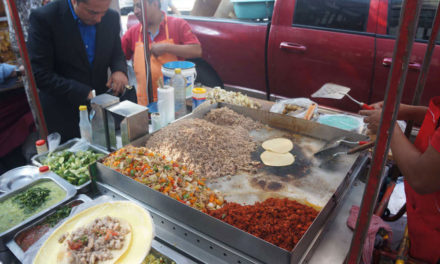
88,35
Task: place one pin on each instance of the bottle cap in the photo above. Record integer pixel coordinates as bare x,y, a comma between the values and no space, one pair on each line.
40,142
82,108
177,71
199,90
43,168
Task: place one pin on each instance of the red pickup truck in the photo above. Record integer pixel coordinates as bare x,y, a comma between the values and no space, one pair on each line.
311,42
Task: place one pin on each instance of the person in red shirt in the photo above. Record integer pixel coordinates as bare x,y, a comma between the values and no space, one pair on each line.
420,165
170,38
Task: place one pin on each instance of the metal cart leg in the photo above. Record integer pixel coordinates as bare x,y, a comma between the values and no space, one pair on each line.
396,82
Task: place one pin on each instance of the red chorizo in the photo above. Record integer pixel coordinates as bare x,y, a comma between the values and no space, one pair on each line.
281,222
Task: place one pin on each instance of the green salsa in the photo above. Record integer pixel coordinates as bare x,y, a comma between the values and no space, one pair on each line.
13,213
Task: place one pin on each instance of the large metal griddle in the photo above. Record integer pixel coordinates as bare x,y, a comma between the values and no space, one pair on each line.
257,249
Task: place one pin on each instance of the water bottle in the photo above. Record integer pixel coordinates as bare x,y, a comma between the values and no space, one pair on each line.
85,128
178,82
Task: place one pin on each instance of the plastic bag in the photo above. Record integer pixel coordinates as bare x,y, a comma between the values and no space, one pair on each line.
31,253
81,145
341,121
53,141
302,103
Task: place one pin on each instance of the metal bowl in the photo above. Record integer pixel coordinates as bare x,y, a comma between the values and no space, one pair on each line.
17,178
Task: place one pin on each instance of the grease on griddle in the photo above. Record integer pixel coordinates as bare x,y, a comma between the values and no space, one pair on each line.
274,186
265,185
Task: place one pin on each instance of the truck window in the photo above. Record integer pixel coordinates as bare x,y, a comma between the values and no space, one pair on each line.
333,14
426,19
247,11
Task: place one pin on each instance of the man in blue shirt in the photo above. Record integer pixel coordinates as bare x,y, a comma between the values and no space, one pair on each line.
72,45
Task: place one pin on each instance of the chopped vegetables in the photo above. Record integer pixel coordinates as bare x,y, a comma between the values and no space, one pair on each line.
32,198
29,236
59,214
218,95
72,166
165,176
157,258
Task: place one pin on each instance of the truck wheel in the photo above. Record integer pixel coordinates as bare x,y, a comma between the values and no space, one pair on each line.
206,75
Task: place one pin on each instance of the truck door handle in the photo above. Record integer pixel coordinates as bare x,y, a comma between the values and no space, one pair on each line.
288,46
412,65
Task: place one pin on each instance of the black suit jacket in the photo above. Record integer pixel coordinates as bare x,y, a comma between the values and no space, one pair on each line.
59,61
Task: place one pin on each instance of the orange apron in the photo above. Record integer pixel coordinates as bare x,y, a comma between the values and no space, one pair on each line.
156,66
424,209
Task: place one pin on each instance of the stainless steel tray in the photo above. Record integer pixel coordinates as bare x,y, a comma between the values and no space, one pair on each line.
225,233
67,187
16,249
17,178
37,160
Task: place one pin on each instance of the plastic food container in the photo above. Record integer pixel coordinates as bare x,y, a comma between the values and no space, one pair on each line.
198,97
253,9
41,146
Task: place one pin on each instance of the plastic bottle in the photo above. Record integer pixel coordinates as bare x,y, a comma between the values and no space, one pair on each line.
198,97
44,169
41,146
85,128
178,82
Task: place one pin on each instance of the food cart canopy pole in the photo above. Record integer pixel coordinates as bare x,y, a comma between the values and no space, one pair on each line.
396,83
30,85
146,41
421,82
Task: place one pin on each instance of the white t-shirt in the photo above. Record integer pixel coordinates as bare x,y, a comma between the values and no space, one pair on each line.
164,4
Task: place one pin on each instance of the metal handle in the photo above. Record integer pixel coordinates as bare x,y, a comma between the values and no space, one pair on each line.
412,65
288,46
359,143
367,107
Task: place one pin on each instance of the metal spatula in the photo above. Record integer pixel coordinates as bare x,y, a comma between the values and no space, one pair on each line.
336,91
350,151
336,143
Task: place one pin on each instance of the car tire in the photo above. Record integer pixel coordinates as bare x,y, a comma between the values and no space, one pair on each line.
206,75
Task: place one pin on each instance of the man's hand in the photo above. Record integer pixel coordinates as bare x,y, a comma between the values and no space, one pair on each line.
378,105
158,49
372,118
117,82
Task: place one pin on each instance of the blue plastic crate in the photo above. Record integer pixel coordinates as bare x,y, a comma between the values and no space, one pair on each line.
253,9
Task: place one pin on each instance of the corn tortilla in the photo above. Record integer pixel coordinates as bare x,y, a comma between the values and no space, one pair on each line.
278,145
142,231
270,158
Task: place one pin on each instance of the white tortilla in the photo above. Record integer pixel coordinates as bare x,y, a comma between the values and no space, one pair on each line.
64,256
270,158
140,221
278,145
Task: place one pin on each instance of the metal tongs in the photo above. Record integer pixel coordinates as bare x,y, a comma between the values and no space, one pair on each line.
335,91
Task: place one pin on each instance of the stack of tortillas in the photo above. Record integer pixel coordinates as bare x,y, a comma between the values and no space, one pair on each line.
277,152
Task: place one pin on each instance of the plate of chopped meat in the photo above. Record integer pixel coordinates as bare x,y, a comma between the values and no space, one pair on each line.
112,232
